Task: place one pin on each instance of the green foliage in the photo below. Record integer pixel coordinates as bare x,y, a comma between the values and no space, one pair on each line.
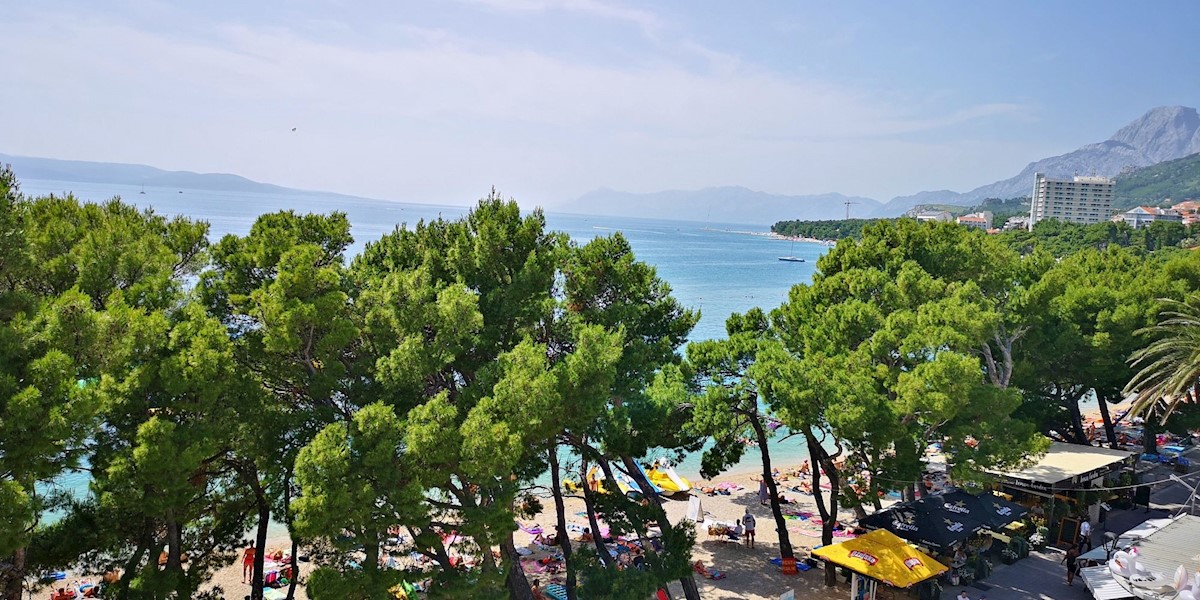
1062,239
882,351
823,230
1170,180
425,384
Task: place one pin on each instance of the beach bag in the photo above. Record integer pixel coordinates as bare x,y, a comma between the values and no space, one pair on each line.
271,578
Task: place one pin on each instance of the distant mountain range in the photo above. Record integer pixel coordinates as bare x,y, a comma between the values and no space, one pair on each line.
719,205
1164,133
28,167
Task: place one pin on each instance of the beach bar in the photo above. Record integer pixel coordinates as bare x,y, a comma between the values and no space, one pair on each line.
1065,474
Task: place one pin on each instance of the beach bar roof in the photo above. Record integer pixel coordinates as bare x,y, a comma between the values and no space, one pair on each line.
1065,466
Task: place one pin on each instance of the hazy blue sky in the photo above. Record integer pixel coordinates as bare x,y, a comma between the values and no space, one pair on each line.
548,99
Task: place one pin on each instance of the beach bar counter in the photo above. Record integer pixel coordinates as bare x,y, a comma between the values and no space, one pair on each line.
1062,477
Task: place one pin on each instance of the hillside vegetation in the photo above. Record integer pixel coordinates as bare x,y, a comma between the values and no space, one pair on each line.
1174,179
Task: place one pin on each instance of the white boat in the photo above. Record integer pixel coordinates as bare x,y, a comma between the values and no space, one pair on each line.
792,258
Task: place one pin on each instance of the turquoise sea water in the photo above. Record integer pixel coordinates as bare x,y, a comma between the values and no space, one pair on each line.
715,268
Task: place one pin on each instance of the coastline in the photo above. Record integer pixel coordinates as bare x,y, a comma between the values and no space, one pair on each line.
775,236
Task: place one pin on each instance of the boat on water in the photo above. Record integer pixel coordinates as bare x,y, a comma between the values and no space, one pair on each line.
792,257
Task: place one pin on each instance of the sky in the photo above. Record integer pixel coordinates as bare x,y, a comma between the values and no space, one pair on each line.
546,100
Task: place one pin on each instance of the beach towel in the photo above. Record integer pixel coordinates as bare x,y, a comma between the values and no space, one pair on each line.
533,566
534,529
800,565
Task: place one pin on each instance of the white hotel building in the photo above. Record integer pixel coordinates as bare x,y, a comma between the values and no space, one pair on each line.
1078,200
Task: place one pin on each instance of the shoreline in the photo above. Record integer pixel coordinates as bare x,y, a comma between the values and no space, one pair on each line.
776,236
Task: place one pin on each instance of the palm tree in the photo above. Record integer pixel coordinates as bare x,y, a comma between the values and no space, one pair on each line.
1170,365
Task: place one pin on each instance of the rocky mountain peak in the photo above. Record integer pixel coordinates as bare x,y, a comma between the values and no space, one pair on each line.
1163,133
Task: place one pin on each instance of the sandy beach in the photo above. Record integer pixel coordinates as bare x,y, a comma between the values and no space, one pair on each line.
748,572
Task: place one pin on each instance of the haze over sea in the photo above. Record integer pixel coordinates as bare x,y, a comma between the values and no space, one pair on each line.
715,268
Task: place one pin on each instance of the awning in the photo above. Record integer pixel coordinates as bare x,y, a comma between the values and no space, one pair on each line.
883,556
991,510
927,522
1066,465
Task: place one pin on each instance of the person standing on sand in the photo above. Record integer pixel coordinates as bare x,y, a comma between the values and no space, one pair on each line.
763,492
248,562
748,524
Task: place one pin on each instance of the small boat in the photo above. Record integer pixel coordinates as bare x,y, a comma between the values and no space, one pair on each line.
792,258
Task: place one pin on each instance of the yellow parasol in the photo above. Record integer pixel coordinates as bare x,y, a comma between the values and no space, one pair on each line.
883,556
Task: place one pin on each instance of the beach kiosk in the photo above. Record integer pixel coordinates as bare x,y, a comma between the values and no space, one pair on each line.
1060,475
880,557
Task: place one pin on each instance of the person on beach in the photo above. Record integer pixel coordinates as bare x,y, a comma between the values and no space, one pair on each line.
748,523
1085,534
1070,559
763,492
248,562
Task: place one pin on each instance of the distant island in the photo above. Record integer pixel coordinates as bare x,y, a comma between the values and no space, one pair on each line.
81,171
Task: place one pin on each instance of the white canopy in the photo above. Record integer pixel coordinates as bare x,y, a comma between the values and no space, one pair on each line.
1065,465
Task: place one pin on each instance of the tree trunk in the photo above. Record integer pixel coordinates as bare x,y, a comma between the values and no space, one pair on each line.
14,582
1110,430
589,503
821,459
517,584
1076,418
785,543
248,471
371,549
690,591
560,513
288,519
174,550
1150,435
264,520
131,565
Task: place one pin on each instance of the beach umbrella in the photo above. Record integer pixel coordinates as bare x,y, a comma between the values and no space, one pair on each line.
883,556
991,510
926,522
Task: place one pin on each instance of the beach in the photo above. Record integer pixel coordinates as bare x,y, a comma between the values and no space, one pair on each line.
747,571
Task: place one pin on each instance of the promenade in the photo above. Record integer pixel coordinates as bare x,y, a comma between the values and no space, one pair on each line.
1043,575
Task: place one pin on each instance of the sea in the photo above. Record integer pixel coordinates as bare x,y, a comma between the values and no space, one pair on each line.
715,268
